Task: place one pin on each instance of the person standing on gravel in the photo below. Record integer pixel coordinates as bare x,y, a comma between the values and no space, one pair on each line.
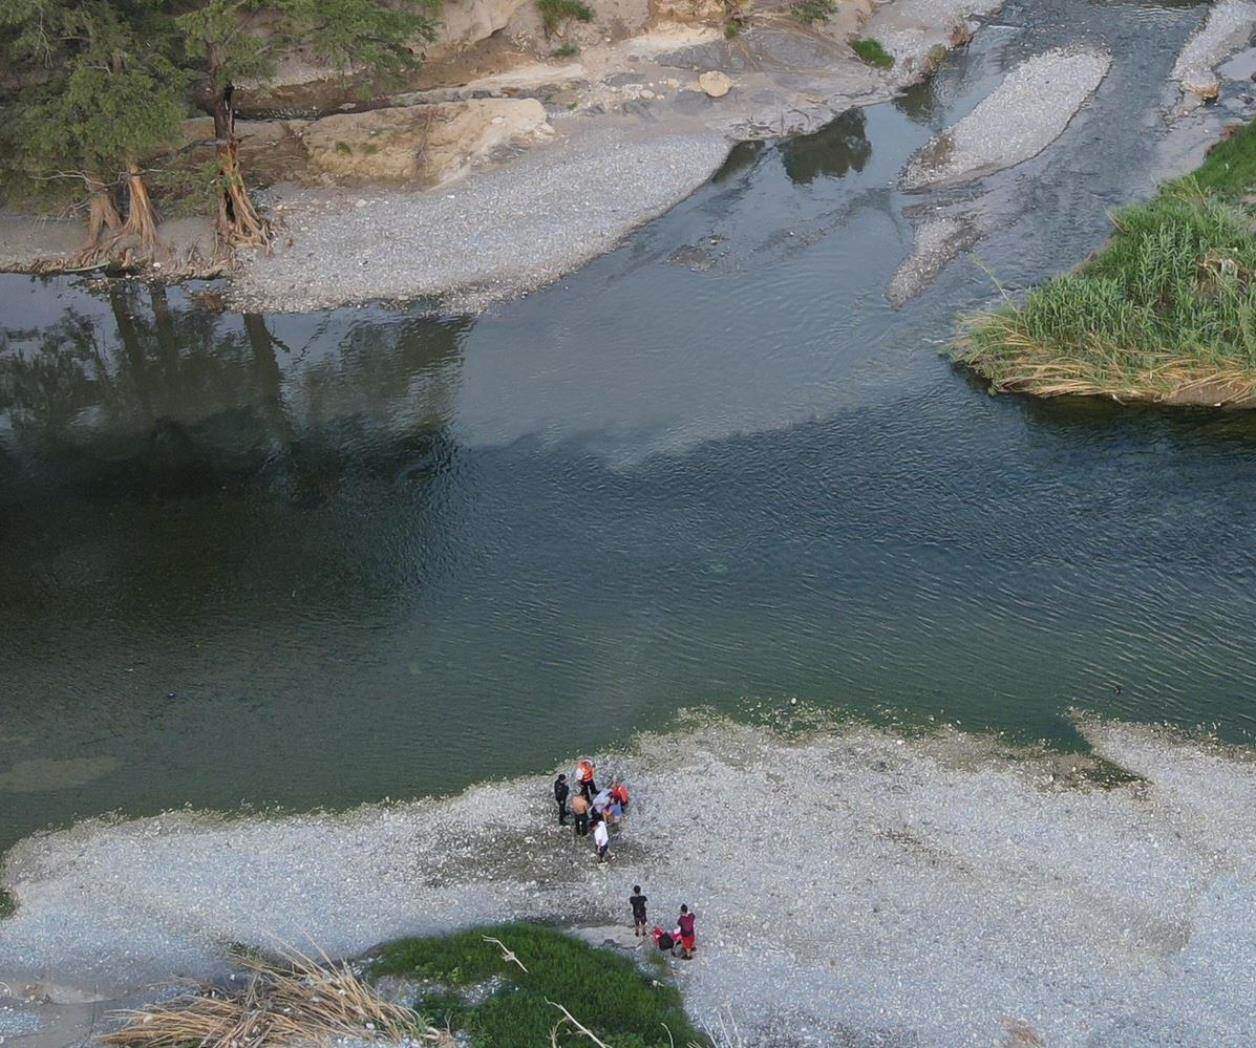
561,790
688,938
637,901
580,814
585,771
602,839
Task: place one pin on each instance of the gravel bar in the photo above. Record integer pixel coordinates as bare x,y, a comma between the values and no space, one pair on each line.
852,888
496,234
1026,113
1228,28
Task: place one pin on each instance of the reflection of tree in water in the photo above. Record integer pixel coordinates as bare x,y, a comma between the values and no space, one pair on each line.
178,400
837,148
742,157
920,102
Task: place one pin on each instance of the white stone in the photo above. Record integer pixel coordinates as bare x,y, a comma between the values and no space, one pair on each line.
715,83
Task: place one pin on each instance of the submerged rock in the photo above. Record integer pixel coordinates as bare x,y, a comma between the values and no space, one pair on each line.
938,241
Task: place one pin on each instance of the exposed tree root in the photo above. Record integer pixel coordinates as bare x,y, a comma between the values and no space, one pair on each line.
137,238
239,224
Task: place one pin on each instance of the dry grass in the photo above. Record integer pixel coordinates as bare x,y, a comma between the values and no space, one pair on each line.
298,1001
1044,369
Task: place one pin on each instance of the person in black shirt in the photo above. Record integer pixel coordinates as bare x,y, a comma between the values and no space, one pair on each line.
638,909
561,790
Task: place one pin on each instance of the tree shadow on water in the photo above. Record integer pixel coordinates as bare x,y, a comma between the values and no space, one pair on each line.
175,401
835,150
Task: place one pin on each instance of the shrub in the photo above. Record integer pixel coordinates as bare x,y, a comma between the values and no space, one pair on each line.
555,13
811,11
873,53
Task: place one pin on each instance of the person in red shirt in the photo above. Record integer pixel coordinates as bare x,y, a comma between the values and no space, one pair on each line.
688,940
620,793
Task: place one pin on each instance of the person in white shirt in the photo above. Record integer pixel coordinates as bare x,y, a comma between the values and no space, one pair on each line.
602,839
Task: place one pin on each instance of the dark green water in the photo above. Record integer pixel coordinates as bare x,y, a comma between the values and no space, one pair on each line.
318,559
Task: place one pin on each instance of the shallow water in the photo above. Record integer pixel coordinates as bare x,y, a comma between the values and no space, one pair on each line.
317,559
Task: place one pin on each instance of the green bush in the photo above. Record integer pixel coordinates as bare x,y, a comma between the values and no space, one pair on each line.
607,992
555,13
873,53
811,11
1169,303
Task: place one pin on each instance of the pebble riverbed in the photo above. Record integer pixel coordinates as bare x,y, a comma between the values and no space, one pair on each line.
852,887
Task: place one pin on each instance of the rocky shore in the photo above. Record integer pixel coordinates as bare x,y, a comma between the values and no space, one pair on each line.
524,155
635,125
853,886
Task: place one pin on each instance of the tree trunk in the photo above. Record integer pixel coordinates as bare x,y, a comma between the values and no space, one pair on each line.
141,217
239,224
102,217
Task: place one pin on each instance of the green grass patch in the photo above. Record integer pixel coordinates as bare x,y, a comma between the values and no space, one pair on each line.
873,53
809,12
556,13
566,51
604,990
1165,312
1229,171
8,905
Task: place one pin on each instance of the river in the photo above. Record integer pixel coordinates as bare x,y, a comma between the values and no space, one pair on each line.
308,560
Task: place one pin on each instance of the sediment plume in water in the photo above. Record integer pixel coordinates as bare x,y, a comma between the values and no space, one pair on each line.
848,884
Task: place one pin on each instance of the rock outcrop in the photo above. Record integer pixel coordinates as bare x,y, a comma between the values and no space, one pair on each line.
429,144
469,21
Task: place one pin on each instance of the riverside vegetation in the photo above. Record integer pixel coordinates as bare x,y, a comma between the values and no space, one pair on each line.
616,1000
1166,312
505,986
95,92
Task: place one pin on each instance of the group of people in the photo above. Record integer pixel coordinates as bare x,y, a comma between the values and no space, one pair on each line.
591,809
683,936
594,810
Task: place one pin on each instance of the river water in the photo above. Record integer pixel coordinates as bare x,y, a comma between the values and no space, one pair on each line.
310,560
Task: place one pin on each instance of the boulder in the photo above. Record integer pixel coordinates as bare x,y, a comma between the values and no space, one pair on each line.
430,144
715,83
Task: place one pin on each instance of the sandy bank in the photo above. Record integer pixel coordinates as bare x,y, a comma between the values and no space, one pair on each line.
852,888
